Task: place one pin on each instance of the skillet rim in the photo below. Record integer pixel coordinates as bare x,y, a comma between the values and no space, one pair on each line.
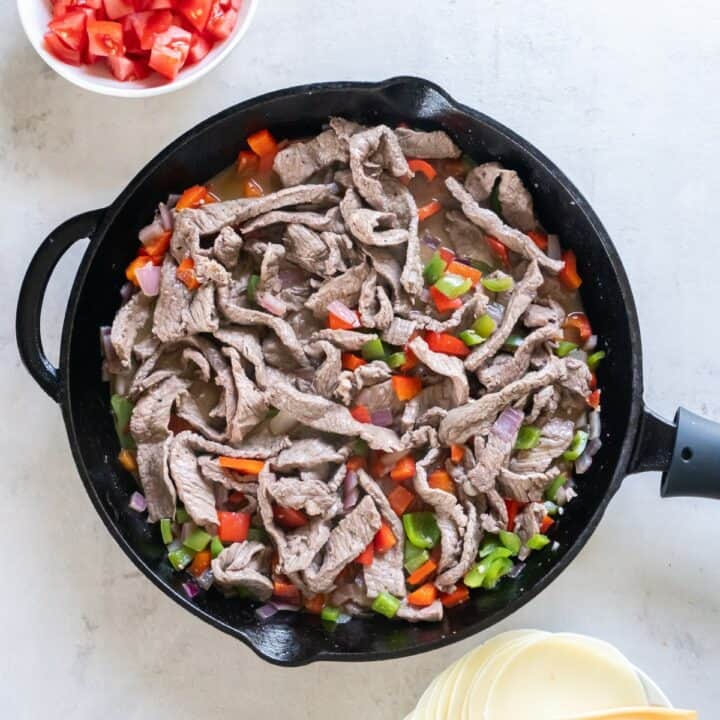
600,235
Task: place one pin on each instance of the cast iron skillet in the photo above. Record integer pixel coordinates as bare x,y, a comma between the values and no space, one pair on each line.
634,439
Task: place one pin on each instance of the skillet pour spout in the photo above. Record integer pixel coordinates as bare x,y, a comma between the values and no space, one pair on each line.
634,439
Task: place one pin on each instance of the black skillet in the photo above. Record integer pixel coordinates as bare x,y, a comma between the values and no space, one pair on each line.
634,439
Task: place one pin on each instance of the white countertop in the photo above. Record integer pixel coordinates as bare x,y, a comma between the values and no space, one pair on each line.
622,95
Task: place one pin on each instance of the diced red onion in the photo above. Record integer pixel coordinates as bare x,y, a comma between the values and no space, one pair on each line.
582,421
382,417
174,545
591,344
593,447
350,490
281,605
205,580
431,241
351,499
138,502
190,589
148,277
172,200
272,304
583,463
496,311
595,425
555,546
104,372
166,217
112,361
554,250
341,311
425,296
291,277
578,354
342,619
127,290
282,423
151,232
507,425
517,569
121,383
221,494
265,612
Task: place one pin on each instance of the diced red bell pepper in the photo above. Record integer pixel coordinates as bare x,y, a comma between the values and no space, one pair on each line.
200,563
457,453
424,572
498,250
424,167
539,238
466,271
422,597
289,518
404,469
442,302
285,590
246,466
384,539
451,600
233,526
185,273
400,500
440,480
406,387
593,399
579,322
546,524
513,507
361,413
351,361
427,211
568,276
446,343
367,555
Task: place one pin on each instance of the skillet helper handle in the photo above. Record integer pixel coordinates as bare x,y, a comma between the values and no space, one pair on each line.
32,293
687,451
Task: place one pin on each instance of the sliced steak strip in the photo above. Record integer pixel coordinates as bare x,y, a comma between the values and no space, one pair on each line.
226,249
129,322
447,580
494,454
152,461
311,495
527,486
244,565
491,224
301,160
312,220
327,375
345,287
350,340
446,365
554,441
307,453
251,407
411,613
435,145
544,311
151,415
170,317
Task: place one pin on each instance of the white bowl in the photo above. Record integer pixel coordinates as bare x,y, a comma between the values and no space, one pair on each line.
656,696
35,15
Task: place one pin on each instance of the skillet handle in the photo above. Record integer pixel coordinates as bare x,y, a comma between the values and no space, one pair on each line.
32,293
687,451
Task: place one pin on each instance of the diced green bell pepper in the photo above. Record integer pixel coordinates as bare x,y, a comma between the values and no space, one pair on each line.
471,338
181,515
414,557
474,576
484,326
360,447
396,359
511,541
373,349
271,413
513,342
434,269
197,540
252,286
577,446
330,614
498,284
528,437
538,541
421,529
489,545
386,604
552,491
594,360
550,508
181,558
453,286
122,410
166,530
499,552
565,348
216,547
498,568
483,267
257,535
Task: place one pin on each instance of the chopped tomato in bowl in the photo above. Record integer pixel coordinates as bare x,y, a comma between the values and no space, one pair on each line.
134,48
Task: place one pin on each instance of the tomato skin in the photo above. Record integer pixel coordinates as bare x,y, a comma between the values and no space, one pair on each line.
106,38
148,24
70,28
221,22
199,48
57,47
170,51
118,8
126,69
197,12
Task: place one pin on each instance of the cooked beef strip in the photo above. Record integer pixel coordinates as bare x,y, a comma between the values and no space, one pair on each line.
246,565
159,491
151,415
526,486
527,524
129,322
544,402
491,224
555,439
490,458
252,405
173,302
446,365
351,340
374,305
311,495
544,311
515,201
411,613
447,580
435,145
327,374
312,220
307,453
227,246
399,332
467,240
188,409
363,223
301,160
345,287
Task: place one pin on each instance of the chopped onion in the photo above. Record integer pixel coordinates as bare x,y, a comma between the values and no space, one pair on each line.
341,311
578,354
265,612
431,241
496,311
282,423
166,217
284,605
351,499
582,421
555,546
151,232
291,277
583,463
190,589
104,372
554,250
272,304
121,383
517,569
107,349
127,290
205,580
350,490
148,277
382,417
342,619
595,425
593,447
507,425
172,200
221,494
138,502
591,344
174,545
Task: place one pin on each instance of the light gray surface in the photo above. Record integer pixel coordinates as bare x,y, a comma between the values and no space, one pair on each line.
622,95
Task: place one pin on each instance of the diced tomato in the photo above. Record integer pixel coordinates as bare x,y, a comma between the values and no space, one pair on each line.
446,343
60,50
367,555
446,254
221,21
351,361
71,29
106,38
513,507
361,413
404,469
579,321
568,276
442,302
384,539
406,387
498,250
289,517
546,524
200,46
196,11
124,68
118,8
424,167
150,23
400,500
539,238
61,7
233,526
247,162
170,51
460,596
593,399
